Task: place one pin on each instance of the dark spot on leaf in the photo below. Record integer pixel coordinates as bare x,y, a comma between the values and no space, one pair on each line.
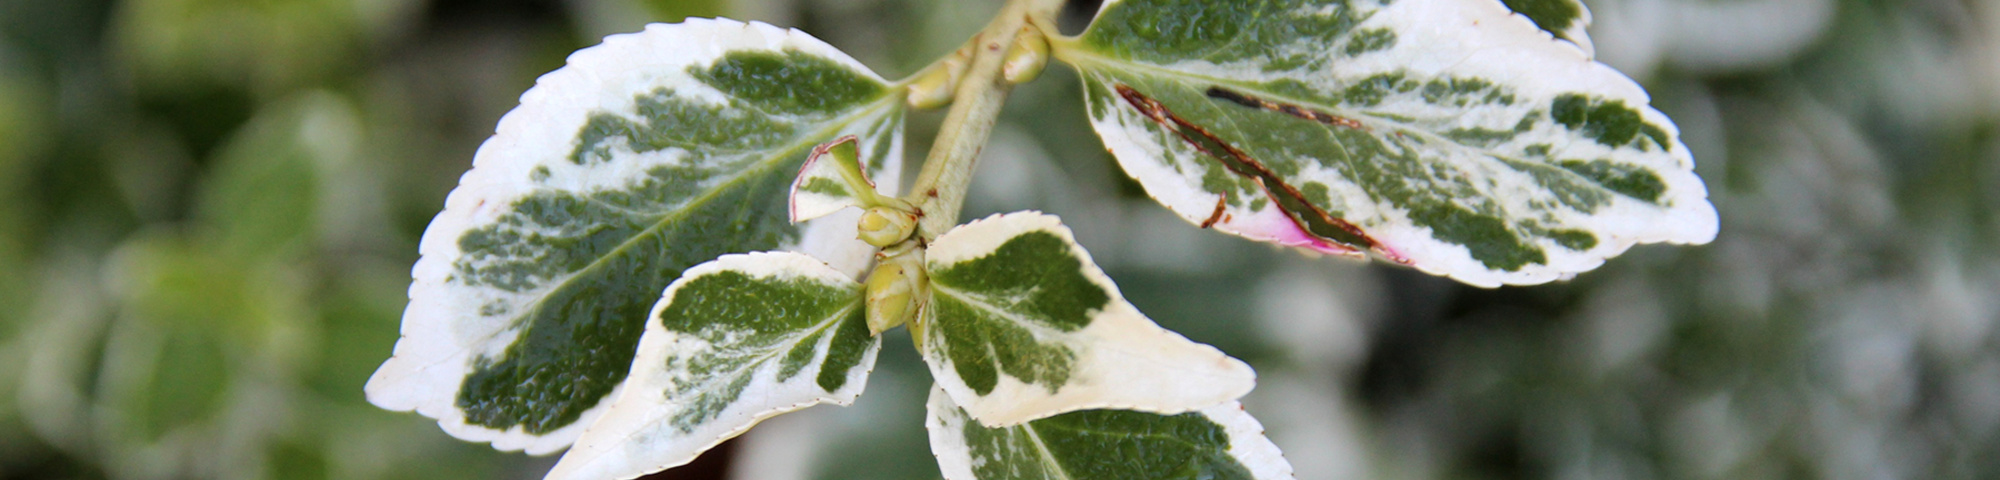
1578,240
1485,236
1370,91
1632,181
1371,40
1611,123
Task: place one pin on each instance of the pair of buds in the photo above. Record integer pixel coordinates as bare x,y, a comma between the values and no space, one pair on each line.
892,286
1024,61
834,178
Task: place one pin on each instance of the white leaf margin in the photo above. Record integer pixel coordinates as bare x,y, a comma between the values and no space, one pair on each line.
622,444
1510,48
1488,40
1247,442
1124,360
442,332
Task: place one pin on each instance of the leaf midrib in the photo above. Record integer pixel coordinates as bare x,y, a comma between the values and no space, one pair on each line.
1080,56
1040,329
785,346
1041,447
793,343
1076,55
708,195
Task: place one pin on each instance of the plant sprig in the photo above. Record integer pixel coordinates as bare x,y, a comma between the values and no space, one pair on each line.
753,181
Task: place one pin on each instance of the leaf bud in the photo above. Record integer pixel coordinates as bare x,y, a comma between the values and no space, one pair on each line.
891,296
884,226
935,87
1026,58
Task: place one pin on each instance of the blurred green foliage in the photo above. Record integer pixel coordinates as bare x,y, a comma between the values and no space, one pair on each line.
213,206
204,233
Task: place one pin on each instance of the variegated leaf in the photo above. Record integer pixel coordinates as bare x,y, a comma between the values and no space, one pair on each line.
1020,325
1215,443
733,342
1450,135
644,156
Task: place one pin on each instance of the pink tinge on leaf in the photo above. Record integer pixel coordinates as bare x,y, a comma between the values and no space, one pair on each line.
1272,225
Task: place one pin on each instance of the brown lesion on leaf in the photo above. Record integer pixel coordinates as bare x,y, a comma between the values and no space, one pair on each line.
1285,108
1308,217
1220,202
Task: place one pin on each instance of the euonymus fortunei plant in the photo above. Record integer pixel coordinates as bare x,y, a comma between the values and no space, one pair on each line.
750,173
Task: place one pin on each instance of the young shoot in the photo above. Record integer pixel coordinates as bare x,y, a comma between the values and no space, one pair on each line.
693,228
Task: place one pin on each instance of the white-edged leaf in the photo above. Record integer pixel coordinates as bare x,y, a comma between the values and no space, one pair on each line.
1216,443
731,343
1019,324
833,178
646,155
1450,135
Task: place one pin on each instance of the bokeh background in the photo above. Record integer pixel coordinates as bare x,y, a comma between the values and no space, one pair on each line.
208,210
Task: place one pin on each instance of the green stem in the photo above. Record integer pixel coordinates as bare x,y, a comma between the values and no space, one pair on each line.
940,189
